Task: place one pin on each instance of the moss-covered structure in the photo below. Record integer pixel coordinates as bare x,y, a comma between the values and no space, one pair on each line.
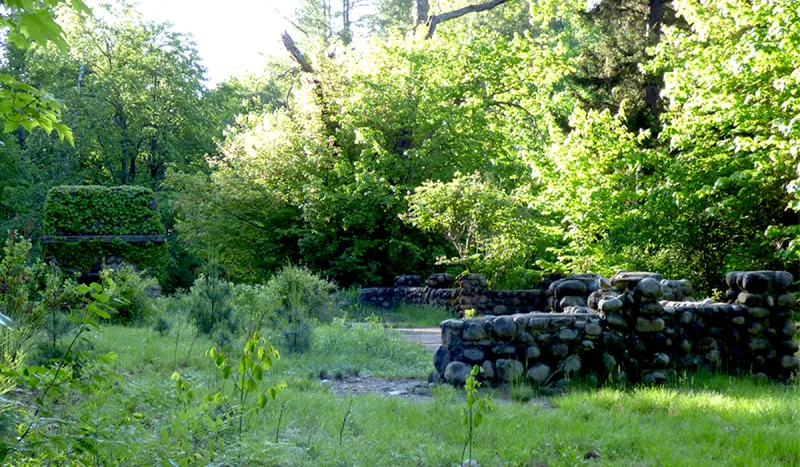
86,227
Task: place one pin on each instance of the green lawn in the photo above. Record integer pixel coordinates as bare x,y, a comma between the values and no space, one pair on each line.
708,420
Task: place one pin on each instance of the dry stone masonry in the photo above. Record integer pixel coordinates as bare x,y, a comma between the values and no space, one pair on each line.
635,327
571,294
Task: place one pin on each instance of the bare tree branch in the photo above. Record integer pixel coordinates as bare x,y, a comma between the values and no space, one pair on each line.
296,26
298,56
436,19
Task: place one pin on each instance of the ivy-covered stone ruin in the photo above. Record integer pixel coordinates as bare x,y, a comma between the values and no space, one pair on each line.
90,227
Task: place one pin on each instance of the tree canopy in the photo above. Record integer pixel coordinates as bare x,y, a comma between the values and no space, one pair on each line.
510,138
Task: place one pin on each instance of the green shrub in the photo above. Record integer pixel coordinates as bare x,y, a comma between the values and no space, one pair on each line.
129,292
255,307
297,338
521,392
162,327
97,210
302,299
28,291
211,304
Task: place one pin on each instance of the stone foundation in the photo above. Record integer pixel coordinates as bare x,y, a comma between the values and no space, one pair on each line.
625,331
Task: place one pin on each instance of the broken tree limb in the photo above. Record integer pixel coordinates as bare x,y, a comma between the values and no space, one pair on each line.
298,56
434,20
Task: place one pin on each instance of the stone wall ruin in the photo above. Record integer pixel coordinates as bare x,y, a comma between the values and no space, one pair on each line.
635,327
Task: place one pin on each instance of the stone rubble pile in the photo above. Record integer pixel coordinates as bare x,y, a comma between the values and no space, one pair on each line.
540,347
434,293
557,293
767,334
381,297
573,291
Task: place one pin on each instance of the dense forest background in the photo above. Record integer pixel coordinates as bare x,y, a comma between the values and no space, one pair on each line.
395,136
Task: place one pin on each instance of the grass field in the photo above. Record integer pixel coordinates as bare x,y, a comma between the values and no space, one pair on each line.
702,420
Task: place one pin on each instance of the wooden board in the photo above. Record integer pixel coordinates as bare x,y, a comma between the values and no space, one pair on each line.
102,238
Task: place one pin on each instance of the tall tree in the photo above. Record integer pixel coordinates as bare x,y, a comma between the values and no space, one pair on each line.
134,90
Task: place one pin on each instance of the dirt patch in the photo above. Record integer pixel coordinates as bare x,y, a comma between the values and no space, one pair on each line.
413,389
359,385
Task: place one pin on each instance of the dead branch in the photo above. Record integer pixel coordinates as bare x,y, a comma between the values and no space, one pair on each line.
298,56
434,20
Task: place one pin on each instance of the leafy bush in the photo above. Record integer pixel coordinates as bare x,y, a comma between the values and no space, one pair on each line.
298,338
494,232
29,291
129,292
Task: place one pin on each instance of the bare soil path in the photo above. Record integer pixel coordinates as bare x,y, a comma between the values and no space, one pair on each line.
429,337
413,389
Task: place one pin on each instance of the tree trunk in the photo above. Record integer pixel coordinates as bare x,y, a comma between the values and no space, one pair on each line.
419,12
132,172
123,178
346,34
655,18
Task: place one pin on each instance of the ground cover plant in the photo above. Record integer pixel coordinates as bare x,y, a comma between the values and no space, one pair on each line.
697,420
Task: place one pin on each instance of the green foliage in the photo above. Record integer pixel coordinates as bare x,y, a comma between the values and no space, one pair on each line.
22,105
301,294
210,304
130,295
96,210
599,180
29,291
732,127
135,91
476,408
493,232
162,327
303,298
327,192
255,306
34,440
248,378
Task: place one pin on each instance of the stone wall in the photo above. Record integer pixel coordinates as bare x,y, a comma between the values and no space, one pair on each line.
565,294
388,297
472,293
627,331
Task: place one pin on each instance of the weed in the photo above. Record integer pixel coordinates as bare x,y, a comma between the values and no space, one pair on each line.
521,392
476,408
